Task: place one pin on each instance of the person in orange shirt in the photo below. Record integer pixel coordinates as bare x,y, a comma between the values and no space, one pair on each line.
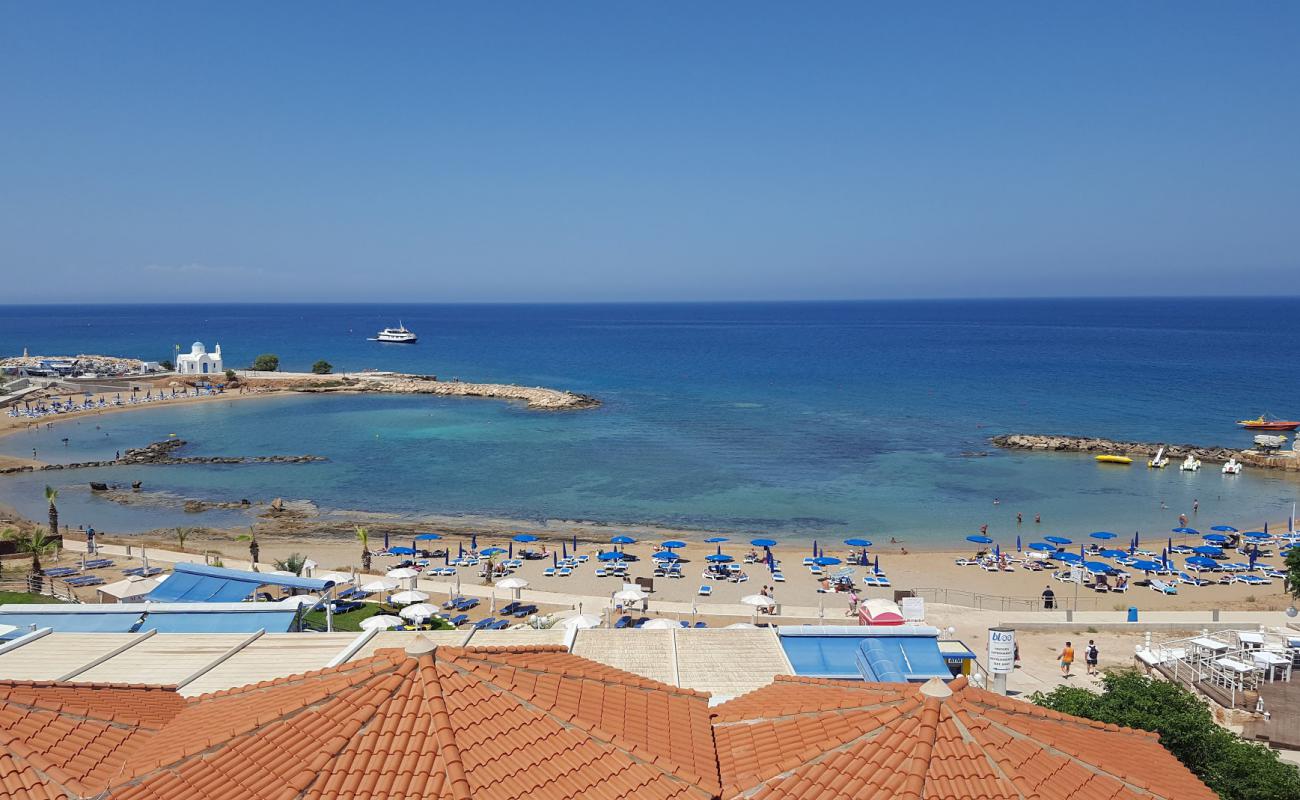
1067,658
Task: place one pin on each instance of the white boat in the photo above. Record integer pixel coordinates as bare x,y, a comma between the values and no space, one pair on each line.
1160,461
1190,464
398,335
1233,467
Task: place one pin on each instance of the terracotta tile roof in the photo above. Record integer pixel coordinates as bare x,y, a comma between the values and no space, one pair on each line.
536,723
805,738
518,722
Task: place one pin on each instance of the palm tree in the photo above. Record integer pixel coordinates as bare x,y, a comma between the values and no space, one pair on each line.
181,535
52,494
253,548
35,543
294,562
363,536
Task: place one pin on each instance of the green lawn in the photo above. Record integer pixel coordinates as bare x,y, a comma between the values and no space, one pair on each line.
26,597
351,621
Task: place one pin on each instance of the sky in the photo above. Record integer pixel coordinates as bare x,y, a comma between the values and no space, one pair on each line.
619,151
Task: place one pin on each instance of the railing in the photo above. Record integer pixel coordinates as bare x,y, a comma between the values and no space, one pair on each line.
31,584
1065,600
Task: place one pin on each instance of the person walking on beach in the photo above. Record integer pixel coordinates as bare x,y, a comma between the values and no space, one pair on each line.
1090,657
1067,659
1049,598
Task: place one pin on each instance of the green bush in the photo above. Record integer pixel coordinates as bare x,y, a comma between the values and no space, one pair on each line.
322,367
266,362
1233,767
230,375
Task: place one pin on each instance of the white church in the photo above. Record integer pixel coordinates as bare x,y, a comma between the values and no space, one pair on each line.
198,361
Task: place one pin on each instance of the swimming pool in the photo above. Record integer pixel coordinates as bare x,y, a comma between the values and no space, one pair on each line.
874,653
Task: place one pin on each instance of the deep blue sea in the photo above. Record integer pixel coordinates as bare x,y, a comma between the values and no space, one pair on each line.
802,419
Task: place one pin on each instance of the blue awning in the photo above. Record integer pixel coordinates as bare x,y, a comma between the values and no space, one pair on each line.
275,620
199,583
902,658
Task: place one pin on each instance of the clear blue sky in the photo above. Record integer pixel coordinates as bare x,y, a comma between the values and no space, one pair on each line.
625,151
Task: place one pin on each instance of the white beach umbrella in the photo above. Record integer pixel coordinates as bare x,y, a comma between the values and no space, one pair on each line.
402,572
418,611
630,595
758,601
580,621
382,622
511,583
745,625
337,577
282,572
305,599
409,596
381,585
662,624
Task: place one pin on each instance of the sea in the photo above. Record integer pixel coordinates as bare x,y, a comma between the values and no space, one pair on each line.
797,420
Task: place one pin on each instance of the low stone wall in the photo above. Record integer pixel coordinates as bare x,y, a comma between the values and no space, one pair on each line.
162,453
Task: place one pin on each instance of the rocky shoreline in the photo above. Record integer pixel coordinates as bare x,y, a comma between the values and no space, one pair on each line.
1283,460
537,398
163,453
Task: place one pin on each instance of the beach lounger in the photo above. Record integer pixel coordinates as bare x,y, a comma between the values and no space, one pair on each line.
623,621
458,620
701,624
499,625
549,572
451,602
706,590
484,624
779,577
1183,577
966,562
1162,587
509,608
564,573
467,603
524,611
600,572
1252,580
60,572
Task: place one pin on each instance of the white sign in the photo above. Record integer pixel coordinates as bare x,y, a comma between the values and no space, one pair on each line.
914,609
1002,651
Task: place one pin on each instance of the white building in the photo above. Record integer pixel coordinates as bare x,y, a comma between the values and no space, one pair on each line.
198,361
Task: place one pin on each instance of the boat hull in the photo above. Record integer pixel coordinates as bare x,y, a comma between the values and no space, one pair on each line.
1270,426
1114,460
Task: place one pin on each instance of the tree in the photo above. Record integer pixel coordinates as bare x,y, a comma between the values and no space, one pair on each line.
294,562
253,548
52,494
36,543
363,536
1293,572
266,362
181,535
1233,767
230,375
167,365
322,367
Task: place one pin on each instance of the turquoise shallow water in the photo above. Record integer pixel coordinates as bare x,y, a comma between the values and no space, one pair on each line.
800,419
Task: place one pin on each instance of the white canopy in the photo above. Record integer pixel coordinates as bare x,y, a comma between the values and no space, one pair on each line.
402,572
418,611
381,585
580,621
409,596
511,583
304,599
661,624
382,622
133,586
759,600
337,577
629,595
742,625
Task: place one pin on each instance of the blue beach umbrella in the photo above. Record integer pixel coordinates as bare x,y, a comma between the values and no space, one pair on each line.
997,552
511,548
763,542
402,551
863,560
815,551
1070,558
1201,561
1042,547
1097,566
1018,547
1208,550
665,555
385,540
1102,535
1254,556
1215,537
876,568
1169,544
460,549
1256,535
493,551
716,539
672,545
610,555
979,539
473,541
1186,531
826,561
446,557
1057,540
718,558
622,540
1113,553
1224,528
524,537
1146,565
564,549
575,542
555,559
858,542
427,537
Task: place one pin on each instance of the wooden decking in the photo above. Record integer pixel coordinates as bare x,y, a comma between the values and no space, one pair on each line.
1282,728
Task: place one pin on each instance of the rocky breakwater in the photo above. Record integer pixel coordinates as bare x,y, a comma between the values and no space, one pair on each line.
536,397
1175,452
164,453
